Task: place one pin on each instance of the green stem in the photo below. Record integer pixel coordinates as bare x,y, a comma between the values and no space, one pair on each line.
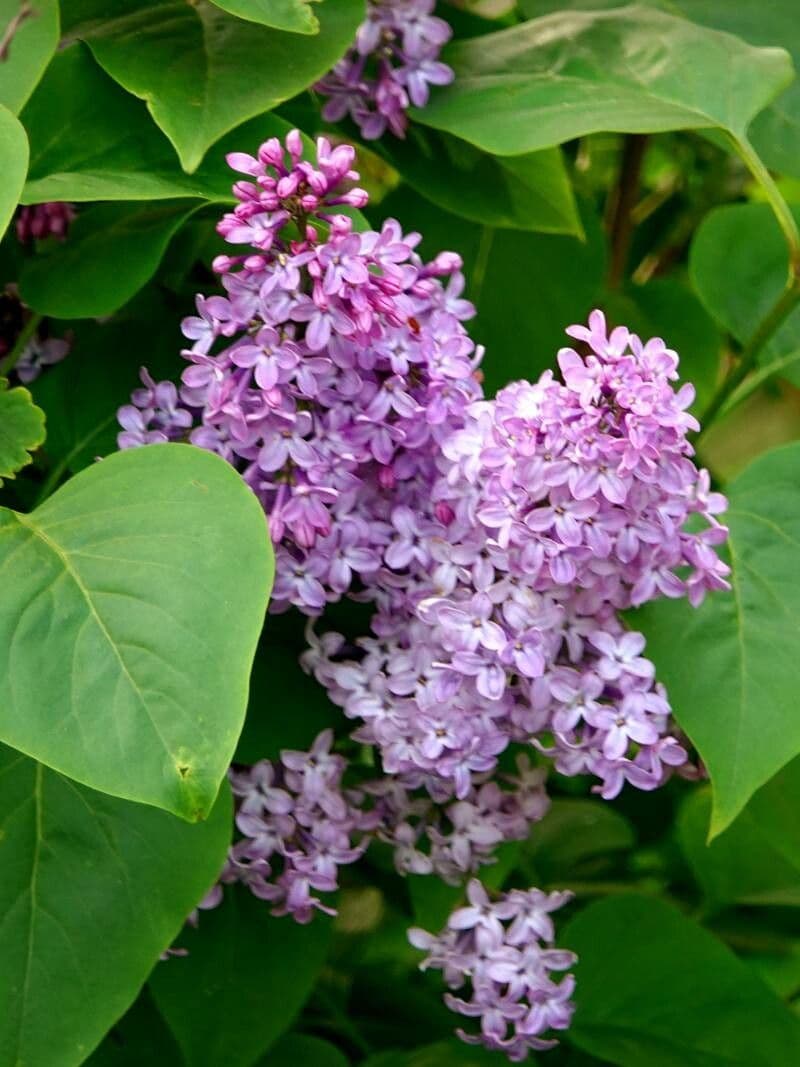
481,262
783,212
786,303
28,330
756,380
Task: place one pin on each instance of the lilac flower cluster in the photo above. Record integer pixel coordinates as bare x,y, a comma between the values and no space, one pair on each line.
391,65
454,838
297,826
498,540
503,953
329,375
557,505
40,221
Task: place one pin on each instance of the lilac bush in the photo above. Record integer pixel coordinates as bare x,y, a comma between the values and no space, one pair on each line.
499,541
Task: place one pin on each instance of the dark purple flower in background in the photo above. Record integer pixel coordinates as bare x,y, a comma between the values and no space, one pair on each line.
391,66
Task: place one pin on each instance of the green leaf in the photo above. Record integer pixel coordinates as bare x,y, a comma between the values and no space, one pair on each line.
140,1037
90,140
776,132
302,1049
730,666
202,72
739,263
112,252
128,631
573,73
527,287
292,715
21,429
93,890
451,1053
757,859
655,988
573,836
29,52
81,403
13,165
296,16
529,192
245,979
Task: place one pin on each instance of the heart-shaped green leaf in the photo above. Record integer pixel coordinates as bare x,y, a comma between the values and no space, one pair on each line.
296,16
132,603
101,278
731,666
739,263
578,72
13,165
246,977
29,49
21,429
757,859
93,890
530,192
90,140
202,71
655,988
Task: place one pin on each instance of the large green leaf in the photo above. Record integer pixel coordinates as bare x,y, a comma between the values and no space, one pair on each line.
573,73
576,836
245,979
21,429
90,140
202,71
306,1050
739,264
112,252
140,1036
132,603
81,401
730,666
13,165
530,192
451,1053
29,51
296,16
757,859
655,988
93,890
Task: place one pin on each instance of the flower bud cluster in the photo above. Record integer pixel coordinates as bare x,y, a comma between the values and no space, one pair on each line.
392,64
40,221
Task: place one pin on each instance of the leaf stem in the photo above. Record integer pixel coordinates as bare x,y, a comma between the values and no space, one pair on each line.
28,330
783,213
481,262
786,303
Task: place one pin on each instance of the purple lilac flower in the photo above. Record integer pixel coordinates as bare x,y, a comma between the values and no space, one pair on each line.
40,221
392,64
40,352
328,375
298,827
499,957
553,508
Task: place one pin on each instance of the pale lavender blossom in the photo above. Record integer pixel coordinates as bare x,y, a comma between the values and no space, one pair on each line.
498,956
